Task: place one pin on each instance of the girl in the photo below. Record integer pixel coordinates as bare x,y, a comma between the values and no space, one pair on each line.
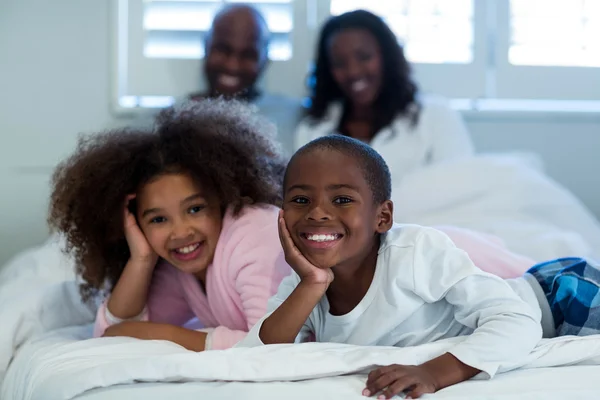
363,89
361,280
178,222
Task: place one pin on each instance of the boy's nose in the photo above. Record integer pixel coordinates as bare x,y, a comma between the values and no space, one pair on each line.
318,213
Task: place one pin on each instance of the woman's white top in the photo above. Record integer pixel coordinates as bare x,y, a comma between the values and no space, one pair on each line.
439,135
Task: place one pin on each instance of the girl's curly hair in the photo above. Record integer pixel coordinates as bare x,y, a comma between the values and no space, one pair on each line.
398,89
225,146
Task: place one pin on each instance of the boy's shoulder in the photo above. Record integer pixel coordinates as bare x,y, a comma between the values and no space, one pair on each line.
406,236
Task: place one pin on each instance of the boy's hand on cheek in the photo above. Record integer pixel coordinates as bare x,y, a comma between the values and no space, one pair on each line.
394,379
308,273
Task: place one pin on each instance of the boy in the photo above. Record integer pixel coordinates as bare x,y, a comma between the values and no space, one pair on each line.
361,280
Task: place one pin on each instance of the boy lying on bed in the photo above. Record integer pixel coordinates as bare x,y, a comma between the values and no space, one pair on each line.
359,279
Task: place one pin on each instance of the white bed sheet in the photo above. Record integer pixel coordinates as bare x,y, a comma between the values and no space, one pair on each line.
63,365
573,383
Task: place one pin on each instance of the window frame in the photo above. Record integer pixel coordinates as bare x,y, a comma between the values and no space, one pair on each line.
488,85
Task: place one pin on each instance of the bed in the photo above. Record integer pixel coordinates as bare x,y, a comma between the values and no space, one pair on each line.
64,365
46,351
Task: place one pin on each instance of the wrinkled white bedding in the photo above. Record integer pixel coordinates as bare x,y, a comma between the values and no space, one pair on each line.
573,383
502,195
505,195
61,366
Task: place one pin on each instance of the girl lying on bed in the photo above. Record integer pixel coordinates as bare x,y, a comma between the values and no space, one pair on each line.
179,221
360,279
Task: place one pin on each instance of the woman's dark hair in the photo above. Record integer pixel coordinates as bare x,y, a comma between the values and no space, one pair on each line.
398,90
224,146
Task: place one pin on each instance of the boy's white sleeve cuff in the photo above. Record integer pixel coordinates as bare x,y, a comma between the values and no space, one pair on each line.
252,339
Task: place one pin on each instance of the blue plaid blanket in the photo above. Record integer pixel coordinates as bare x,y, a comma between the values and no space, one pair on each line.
572,288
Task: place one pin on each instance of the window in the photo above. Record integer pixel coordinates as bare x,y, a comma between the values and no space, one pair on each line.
176,28
432,31
555,33
158,47
472,51
546,50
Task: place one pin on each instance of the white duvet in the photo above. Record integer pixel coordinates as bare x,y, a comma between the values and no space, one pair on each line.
502,195
61,365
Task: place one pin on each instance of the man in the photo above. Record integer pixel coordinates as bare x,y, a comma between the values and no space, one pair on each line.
236,49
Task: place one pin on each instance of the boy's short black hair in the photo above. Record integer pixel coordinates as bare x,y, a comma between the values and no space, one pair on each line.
373,166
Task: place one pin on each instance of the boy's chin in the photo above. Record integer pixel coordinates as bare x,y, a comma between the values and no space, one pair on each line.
323,262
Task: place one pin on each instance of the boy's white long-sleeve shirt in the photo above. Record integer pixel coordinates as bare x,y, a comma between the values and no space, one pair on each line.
425,289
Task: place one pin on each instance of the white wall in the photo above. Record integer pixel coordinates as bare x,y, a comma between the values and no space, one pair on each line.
54,84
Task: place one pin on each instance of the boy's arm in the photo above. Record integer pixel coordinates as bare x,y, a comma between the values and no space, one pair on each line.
291,319
286,322
481,301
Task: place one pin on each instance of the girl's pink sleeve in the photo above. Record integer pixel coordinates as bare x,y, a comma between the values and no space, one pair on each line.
166,302
488,252
257,266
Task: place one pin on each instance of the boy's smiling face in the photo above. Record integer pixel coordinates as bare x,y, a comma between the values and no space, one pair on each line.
329,209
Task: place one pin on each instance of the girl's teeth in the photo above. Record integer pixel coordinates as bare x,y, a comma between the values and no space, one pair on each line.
187,249
358,86
321,238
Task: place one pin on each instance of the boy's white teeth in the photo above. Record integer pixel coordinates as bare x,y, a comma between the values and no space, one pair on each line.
322,238
187,249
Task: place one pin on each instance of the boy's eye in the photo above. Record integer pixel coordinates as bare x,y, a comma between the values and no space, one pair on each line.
300,200
196,209
342,200
157,220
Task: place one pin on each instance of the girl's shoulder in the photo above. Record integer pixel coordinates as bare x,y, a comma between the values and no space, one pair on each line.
248,238
250,221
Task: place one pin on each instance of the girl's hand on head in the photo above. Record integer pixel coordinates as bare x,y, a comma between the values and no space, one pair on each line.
307,272
139,248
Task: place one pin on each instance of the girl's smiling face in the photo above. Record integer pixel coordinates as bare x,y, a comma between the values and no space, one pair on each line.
181,221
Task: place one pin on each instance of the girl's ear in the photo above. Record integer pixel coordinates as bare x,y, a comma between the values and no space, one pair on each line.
385,217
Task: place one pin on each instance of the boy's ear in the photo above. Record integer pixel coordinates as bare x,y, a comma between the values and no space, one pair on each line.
385,217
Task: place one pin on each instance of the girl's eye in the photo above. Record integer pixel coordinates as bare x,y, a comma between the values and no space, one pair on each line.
300,200
342,200
196,209
157,220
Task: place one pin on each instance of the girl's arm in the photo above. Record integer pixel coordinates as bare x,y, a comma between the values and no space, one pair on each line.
163,302
190,339
129,295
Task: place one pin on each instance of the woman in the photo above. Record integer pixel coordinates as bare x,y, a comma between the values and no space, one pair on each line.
363,89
